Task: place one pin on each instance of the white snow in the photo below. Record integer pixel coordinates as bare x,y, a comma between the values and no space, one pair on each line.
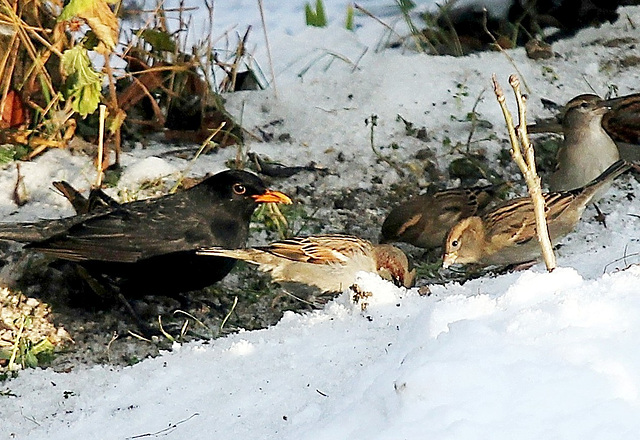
527,355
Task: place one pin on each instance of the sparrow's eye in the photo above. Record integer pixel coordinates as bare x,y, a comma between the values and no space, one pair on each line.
584,105
454,243
239,188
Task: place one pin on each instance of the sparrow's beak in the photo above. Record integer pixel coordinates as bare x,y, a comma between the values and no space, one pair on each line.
613,102
449,260
270,196
603,106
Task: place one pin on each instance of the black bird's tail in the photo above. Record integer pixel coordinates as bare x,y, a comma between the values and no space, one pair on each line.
98,199
36,231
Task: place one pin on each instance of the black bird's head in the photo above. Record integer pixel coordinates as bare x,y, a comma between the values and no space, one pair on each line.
242,186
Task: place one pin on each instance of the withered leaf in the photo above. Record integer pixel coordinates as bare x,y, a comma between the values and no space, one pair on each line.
98,15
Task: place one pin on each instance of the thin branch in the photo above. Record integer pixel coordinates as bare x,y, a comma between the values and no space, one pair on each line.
519,142
504,52
100,165
474,119
266,39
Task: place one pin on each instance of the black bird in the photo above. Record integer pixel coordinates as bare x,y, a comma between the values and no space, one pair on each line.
149,246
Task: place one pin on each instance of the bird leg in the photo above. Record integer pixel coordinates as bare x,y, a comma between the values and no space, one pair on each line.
142,326
105,292
601,217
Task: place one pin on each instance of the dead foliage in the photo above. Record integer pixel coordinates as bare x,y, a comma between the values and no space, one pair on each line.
50,88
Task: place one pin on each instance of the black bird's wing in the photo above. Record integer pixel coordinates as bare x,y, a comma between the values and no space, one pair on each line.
137,231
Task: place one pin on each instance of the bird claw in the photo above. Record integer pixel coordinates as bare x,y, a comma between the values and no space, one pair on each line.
601,217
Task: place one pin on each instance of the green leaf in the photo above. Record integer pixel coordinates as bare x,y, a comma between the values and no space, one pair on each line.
9,153
320,14
405,5
75,8
6,154
159,40
42,347
30,360
83,85
348,23
309,15
316,18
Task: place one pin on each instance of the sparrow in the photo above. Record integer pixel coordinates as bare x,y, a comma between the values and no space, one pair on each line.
507,234
587,149
149,246
329,262
424,220
621,121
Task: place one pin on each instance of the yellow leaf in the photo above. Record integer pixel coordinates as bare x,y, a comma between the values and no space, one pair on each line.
98,15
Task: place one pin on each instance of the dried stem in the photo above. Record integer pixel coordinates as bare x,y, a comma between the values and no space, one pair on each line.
103,115
474,119
114,106
266,39
520,142
200,150
502,51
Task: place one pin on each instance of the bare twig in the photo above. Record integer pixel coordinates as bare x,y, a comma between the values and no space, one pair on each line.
114,105
103,115
200,150
266,39
14,352
226,318
373,122
519,143
114,336
474,119
504,52
172,427
366,12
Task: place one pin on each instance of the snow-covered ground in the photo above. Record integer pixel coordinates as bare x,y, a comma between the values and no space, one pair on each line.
527,355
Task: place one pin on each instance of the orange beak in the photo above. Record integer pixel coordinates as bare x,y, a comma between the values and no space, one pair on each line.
270,196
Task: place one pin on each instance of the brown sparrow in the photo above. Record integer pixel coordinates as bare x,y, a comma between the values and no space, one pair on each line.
507,234
587,149
424,220
621,121
328,262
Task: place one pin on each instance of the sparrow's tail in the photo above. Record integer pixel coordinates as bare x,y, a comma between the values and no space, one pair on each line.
249,255
595,189
611,173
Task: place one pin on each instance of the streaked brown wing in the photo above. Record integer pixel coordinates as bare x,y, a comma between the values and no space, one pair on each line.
557,203
319,249
515,220
511,221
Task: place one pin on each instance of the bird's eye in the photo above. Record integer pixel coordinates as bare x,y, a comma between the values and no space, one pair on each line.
584,105
454,243
239,188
